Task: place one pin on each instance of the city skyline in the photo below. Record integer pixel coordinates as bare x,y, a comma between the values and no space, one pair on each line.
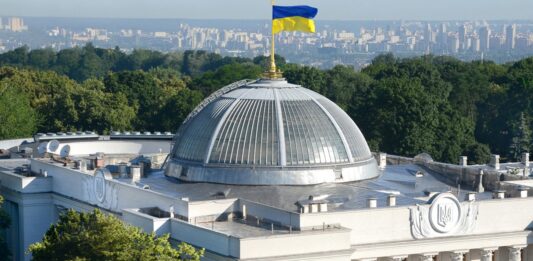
233,9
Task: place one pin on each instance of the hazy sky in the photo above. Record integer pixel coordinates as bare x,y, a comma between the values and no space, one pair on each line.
259,9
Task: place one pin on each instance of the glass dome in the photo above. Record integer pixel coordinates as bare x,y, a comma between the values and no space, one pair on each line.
269,132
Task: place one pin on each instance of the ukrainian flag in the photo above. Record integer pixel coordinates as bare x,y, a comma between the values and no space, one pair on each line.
293,18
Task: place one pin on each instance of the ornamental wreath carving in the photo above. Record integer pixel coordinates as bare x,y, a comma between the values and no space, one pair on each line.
444,216
99,191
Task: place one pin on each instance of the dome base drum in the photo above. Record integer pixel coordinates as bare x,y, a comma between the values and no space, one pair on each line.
272,176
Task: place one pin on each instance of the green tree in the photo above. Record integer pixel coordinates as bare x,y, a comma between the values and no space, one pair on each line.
477,153
144,93
521,137
91,64
195,62
178,107
264,61
102,111
17,117
67,61
41,58
306,76
346,87
212,81
96,236
17,57
50,95
5,222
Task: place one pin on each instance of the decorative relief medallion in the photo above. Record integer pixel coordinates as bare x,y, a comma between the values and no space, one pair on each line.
444,213
99,190
99,185
444,216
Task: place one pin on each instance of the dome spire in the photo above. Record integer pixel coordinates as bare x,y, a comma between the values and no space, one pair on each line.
273,72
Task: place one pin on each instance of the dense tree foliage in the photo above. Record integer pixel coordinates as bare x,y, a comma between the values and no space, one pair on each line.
438,105
17,117
96,236
5,222
82,63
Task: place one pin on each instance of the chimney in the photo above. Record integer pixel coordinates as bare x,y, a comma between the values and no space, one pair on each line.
495,161
471,196
122,170
135,173
391,200
99,161
382,160
82,165
525,159
372,202
499,194
463,161
523,192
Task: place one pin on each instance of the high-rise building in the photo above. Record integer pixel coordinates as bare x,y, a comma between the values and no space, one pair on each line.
443,28
475,47
442,36
453,43
16,24
484,38
510,37
462,36
428,38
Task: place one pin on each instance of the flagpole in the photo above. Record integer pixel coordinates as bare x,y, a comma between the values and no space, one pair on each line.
272,72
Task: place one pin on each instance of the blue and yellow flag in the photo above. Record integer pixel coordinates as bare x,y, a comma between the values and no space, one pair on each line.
293,18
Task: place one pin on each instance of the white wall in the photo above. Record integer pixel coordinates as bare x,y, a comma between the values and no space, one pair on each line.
296,244
215,207
36,214
146,222
25,184
393,224
117,147
7,144
281,216
202,237
118,196
377,225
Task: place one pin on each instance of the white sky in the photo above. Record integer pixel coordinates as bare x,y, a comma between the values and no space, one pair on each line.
259,9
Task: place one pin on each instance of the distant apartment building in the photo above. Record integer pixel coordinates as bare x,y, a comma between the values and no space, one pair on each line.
16,24
484,38
510,37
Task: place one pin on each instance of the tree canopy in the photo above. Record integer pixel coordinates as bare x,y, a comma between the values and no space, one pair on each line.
5,222
433,104
95,236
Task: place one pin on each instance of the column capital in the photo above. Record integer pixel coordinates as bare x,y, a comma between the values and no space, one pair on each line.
515,252
426,256
487,253
458,255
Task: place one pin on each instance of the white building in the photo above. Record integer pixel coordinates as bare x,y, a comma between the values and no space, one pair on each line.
282,174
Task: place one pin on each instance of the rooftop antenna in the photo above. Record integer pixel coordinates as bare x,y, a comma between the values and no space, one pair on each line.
41,149
52,146
65,151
